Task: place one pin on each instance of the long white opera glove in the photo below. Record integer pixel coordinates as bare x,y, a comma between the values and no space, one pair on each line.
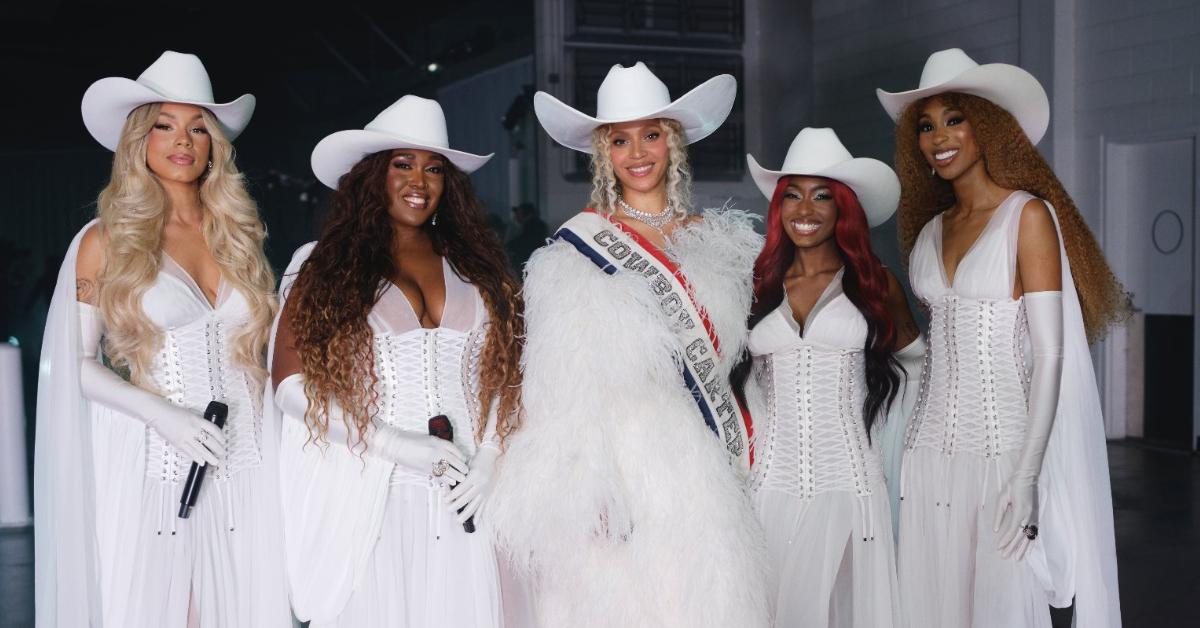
417,452
912,358
471,494
891,435
1018,505
196,438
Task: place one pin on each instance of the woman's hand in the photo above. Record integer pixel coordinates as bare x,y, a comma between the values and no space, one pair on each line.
469,496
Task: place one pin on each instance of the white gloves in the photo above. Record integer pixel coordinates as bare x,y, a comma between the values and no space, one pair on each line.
912,358
890,437
420,453
186,431
1018,505
417,452
471,493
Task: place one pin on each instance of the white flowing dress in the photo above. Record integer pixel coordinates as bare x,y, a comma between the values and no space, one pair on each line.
818,484
371,544
965,439
151,564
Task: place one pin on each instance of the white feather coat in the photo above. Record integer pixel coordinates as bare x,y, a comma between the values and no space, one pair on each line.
611,434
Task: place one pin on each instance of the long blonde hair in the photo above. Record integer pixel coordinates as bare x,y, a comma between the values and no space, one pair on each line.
606,188
133,209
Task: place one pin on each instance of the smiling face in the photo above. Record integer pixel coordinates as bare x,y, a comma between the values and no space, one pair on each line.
946,139
639,152
178,146
415,180
808,211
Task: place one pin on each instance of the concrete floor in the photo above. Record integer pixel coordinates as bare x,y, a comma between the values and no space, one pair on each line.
1156,497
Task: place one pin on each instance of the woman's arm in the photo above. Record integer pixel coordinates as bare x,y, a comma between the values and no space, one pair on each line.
416,451
1039,279
198,439
902,318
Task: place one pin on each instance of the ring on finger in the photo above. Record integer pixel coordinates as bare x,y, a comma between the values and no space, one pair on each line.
202,437
440,467
1030,530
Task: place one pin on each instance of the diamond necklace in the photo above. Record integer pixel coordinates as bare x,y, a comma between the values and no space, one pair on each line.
658,221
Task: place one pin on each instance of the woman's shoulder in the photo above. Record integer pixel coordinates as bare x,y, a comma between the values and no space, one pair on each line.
724,224
90,256
301,254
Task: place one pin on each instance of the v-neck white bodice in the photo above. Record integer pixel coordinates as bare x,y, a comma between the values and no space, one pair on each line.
424,372
812,438
976,376
194,365
988,270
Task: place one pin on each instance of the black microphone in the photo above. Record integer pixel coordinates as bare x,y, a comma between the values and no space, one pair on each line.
440,427
215,413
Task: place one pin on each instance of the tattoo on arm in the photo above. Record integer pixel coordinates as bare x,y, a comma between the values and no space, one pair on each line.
85,291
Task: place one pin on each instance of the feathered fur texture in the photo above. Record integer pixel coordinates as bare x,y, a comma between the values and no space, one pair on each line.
614,496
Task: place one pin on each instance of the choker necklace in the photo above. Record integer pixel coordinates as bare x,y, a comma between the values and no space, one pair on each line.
658,221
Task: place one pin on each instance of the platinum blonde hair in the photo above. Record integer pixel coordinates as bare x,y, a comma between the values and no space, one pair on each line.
606,187
133,209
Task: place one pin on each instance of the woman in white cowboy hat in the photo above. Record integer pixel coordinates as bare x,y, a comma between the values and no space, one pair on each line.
163,305
830,328
623,492
1007,510
404,310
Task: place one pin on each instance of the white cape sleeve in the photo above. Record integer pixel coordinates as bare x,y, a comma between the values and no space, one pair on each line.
66,572
1077,553
333,502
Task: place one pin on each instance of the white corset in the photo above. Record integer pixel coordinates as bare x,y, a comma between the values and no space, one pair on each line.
421,372
426,372
194,365
814,439
811,438
975,382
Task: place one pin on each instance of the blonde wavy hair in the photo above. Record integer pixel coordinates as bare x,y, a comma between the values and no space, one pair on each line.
606,187
1013,162
133,209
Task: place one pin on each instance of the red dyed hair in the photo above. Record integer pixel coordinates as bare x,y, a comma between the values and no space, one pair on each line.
864,281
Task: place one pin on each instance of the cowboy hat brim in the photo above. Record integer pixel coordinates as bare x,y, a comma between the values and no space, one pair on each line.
873,182
108,102
335,155
1008,86
701,111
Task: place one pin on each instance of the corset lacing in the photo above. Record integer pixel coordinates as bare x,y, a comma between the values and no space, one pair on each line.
974,387
815,400
444,365
193,367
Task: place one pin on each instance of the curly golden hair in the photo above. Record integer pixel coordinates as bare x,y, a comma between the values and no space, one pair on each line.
346,274
1012,162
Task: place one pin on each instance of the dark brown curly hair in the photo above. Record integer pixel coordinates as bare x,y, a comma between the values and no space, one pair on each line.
349,269
1012,162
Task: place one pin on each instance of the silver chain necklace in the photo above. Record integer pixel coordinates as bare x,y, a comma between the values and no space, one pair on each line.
658,221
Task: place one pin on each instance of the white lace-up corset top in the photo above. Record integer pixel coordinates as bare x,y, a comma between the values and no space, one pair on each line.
426,372
975,384
812,439
194,365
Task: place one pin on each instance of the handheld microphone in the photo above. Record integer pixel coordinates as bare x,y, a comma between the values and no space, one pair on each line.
440,427
215,413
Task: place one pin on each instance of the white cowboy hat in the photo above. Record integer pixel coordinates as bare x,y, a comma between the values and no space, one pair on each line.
175,77
634,93
819,153
1008,86
411,122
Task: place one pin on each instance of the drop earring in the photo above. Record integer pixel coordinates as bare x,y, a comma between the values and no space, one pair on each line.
210,164
932,171
434,221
